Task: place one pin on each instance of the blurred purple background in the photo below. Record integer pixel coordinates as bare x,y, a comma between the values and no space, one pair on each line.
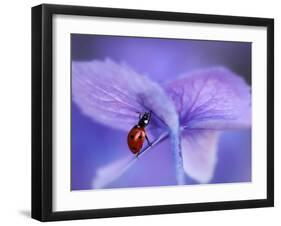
95,145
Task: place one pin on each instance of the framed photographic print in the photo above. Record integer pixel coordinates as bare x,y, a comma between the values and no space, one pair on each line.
146,112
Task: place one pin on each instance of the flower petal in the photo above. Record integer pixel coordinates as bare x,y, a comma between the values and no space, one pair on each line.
199,150
214,98
112,94
114,170
207,102
109,173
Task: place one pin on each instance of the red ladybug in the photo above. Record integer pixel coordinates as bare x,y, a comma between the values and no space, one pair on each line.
137,134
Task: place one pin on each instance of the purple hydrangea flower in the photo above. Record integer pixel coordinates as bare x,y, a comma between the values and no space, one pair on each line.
191,111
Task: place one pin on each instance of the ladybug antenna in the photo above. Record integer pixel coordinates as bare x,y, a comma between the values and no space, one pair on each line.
149,114
139,113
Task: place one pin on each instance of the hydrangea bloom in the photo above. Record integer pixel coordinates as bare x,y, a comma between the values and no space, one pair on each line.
191,111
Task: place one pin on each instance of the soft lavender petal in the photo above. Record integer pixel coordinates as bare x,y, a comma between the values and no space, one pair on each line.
207,102
112,94
199,150
213,98
109,173
114,170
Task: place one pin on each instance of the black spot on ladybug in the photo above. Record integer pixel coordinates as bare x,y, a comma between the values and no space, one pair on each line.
140,137
134,149
132,137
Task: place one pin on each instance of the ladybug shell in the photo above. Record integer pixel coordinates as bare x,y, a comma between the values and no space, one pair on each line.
136,139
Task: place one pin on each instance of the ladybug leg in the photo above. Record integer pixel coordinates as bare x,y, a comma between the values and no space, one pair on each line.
149,143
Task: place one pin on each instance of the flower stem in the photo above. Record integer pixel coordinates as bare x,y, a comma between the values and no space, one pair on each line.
176,145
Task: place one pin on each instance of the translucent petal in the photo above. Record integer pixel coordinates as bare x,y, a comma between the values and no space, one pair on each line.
112,94
208,101
214,98
199,150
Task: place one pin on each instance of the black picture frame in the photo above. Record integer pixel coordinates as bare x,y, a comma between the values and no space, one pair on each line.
42,107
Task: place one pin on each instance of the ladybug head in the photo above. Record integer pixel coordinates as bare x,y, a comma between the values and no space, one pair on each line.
144,120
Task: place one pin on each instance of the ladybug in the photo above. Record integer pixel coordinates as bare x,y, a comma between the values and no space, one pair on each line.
137,134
